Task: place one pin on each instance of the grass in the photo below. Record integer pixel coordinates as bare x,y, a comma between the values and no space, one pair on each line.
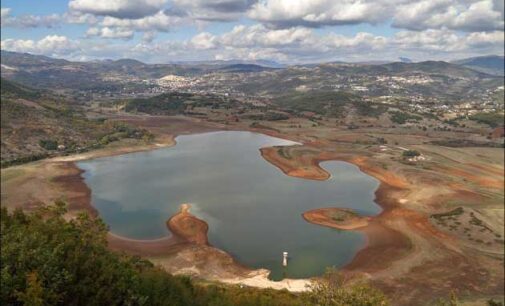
284,153
401,117
342,215
491,119
12,173
455,212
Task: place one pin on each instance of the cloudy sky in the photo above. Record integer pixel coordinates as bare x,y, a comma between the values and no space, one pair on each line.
288,31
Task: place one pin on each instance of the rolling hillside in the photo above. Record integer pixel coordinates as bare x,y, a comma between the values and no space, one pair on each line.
36,124
491,64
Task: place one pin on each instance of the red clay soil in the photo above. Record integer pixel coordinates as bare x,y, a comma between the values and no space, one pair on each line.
185,227
482,179
405,255
394,237
384,244
78,194
188,227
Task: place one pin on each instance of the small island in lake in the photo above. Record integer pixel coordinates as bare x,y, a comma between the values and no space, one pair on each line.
339,218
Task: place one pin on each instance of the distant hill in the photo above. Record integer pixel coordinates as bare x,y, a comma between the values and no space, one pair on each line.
328,103
14,90
222,63
491,64
443,80
107,75
244,68
27,59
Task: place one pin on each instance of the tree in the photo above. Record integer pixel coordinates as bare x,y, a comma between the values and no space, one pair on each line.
34,292
411,153
72,263
335,290
49,144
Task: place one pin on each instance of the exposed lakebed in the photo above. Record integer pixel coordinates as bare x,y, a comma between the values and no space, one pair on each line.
253,209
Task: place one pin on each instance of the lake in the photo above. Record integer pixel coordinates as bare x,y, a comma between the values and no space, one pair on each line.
252,208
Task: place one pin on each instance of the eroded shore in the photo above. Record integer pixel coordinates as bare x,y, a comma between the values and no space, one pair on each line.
406,255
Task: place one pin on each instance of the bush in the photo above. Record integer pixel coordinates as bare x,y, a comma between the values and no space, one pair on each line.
411,153
333,290
401,118
491,119
49,144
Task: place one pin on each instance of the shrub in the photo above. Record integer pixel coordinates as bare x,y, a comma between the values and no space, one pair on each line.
333,290
411,153
49,144
401,117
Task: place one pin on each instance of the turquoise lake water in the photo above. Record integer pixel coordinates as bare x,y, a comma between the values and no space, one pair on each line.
252,208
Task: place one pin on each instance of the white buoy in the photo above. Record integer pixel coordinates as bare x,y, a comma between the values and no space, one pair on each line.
284,259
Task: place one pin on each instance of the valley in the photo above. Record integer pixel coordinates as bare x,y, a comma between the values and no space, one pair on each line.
437,155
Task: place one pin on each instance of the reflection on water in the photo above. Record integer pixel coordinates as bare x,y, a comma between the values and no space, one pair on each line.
252,208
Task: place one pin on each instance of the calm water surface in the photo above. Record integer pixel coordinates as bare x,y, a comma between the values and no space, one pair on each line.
252,208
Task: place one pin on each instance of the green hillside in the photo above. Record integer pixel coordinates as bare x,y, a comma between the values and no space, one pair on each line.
36,124
327,103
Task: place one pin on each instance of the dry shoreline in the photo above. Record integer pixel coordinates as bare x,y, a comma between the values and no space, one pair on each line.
405,255
164,245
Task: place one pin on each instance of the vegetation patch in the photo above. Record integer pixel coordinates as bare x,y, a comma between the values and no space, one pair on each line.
411,153
282,151
402,117
455,212
492,119
328,103
174,103
342,215
462,143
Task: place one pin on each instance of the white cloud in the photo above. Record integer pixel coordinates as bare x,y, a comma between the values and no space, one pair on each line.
112,27
5,12
294,45
302,44
259,35
29,21
287,13
160,22
204,41
458,15
464,15
80,18
449,43
52,45
214,9
118,8
110,33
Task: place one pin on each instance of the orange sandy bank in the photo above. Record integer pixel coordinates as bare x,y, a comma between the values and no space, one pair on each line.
307,166
339,218
188,227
